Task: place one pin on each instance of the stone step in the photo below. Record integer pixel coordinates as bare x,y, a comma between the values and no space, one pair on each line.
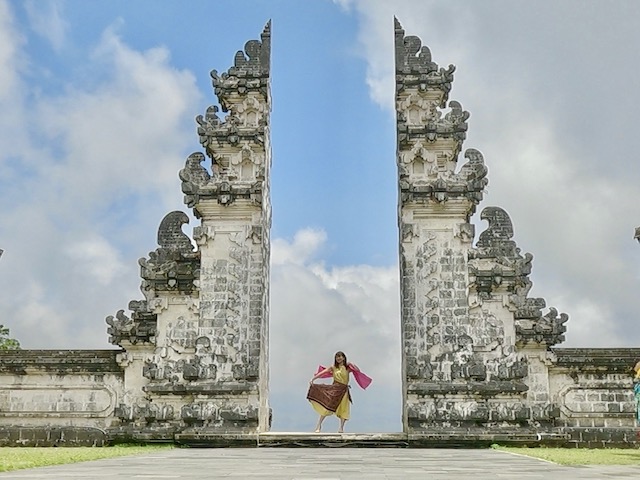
367,440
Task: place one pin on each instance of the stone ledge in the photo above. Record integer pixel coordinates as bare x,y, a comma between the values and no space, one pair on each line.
202,389
20,362
443,439
298,439
204,439
473,388
619,360
68,436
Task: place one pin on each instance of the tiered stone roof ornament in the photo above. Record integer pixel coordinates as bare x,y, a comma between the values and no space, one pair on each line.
238,169
173,267
466,314
509,272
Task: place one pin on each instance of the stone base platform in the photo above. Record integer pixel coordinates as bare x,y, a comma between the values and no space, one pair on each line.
369,440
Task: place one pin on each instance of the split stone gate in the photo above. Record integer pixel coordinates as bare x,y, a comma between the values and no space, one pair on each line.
479,360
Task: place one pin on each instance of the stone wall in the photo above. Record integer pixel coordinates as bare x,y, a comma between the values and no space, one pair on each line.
591,394
59,397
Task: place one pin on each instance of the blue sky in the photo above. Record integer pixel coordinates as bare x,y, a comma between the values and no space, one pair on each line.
318,108
97,108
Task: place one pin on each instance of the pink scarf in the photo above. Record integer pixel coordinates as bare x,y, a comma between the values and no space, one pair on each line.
361,379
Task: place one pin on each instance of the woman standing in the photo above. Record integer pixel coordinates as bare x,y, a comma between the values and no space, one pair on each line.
335,399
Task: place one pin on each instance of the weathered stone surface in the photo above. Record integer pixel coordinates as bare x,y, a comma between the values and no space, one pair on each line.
62,362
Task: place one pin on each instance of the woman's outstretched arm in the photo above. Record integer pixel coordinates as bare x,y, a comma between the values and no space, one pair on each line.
320,374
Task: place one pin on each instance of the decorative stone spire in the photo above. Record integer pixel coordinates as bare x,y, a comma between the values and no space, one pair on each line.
236,144
430,140
249,73
414,67
231,197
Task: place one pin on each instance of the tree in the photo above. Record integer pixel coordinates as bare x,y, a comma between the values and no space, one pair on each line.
6,342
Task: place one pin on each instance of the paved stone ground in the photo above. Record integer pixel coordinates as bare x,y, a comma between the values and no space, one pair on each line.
323,464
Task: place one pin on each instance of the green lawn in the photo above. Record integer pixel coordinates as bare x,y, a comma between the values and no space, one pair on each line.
16,458
579,456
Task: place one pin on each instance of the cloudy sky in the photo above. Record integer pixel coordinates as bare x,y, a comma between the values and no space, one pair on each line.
97,107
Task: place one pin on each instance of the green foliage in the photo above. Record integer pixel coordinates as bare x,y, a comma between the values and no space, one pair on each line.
17,458
578,456
6,342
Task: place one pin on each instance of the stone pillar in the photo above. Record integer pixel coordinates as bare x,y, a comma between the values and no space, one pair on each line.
233,203
435,204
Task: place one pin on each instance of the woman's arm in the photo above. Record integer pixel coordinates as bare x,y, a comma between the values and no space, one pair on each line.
319,374
354,367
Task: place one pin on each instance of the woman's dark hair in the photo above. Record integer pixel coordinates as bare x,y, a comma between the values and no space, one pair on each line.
335,363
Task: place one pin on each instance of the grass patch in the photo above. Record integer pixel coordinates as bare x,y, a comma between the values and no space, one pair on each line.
579,456
17,458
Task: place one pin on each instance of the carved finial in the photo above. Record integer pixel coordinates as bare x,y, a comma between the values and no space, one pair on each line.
414,66
258,55
193,174
474,169
266,46
500,228
170,234
396,24
411,56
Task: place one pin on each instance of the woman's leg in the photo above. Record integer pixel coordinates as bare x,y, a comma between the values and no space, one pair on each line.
342,422
319,425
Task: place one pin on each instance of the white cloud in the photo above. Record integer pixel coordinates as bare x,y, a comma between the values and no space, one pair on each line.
47,21
97,259
89,174
12,117
305,245
46,325
125,134
316,311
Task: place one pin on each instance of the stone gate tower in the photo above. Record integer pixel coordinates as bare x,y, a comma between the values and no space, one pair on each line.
472,340
201,335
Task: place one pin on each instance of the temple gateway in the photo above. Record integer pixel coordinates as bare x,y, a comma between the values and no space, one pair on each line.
480,362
